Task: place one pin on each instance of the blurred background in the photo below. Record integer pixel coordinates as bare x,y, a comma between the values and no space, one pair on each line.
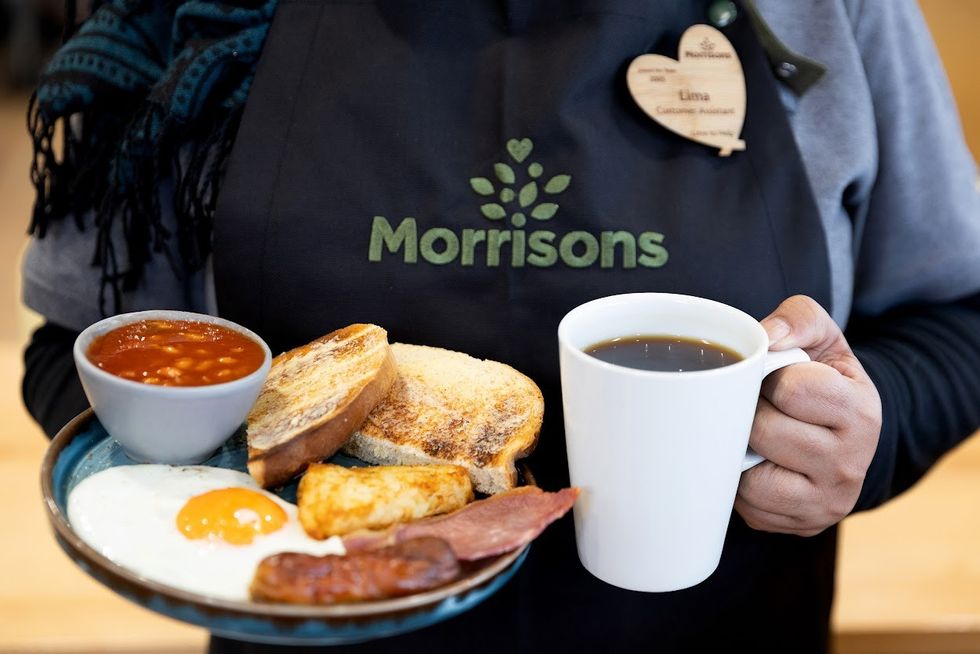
909,573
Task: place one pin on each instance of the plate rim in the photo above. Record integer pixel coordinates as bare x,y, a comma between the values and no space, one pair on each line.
374,609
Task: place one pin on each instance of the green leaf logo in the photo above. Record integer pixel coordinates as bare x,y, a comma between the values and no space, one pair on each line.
493,211
520,150
528,194
557,184
504,173
544,211
482,185
519,184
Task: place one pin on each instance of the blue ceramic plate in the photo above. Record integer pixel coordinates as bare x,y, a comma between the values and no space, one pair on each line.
83,448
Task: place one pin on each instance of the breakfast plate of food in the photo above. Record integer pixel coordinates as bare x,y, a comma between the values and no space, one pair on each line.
371,489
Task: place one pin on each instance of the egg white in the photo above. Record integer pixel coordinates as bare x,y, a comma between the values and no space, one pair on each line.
129,515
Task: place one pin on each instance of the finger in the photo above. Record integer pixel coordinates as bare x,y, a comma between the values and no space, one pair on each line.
798,446
772,522
800,322
775,489
764,520
810,392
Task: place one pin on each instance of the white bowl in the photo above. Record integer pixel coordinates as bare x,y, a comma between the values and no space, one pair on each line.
167,424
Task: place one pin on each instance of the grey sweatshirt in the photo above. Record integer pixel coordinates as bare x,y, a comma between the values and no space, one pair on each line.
879,135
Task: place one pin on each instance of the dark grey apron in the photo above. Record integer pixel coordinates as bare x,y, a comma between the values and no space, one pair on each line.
463,174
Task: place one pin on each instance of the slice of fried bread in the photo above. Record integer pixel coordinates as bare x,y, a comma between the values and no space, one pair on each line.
448,407
334,500
314,397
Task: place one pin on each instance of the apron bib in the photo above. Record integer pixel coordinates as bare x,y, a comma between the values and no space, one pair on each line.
463,174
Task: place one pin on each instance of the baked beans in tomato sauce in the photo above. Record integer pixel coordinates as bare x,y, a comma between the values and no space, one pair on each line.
176,353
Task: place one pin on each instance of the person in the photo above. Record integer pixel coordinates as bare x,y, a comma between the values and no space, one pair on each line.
465,173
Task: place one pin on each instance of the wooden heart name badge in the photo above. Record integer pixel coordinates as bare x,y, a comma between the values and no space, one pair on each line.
701,96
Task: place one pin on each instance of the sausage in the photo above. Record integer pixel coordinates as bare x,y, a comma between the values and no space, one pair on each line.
408,567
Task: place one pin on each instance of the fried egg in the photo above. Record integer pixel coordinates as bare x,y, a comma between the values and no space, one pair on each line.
195,528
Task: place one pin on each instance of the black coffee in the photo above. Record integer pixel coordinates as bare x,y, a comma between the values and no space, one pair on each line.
663,353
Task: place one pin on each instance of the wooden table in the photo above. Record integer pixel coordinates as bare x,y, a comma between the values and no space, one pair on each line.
909,572
46,603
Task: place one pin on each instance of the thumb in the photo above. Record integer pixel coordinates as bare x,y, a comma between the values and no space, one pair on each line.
800,322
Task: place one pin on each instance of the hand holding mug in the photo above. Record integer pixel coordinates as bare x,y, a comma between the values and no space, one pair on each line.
817,424
658,448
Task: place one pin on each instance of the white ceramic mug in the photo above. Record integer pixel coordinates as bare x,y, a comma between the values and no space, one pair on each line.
658,455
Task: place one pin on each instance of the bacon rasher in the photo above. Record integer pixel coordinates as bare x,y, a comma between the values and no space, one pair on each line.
487,527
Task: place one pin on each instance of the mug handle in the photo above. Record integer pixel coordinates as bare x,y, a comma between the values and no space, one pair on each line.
774,361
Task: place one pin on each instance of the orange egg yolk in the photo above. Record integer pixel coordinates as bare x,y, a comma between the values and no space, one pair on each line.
233,515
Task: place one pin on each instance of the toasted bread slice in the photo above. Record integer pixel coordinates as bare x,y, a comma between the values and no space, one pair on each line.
447,407
334,500
314,397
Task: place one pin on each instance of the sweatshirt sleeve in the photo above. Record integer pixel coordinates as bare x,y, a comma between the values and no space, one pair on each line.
916,320
60,281
920,237
51,388
925,361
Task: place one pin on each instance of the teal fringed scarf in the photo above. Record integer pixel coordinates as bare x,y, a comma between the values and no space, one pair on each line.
144,91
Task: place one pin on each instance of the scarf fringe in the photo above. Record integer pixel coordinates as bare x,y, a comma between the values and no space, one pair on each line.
196,167
145,93
127,202
74,182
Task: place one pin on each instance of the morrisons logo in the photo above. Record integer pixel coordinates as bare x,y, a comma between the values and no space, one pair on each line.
518,194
